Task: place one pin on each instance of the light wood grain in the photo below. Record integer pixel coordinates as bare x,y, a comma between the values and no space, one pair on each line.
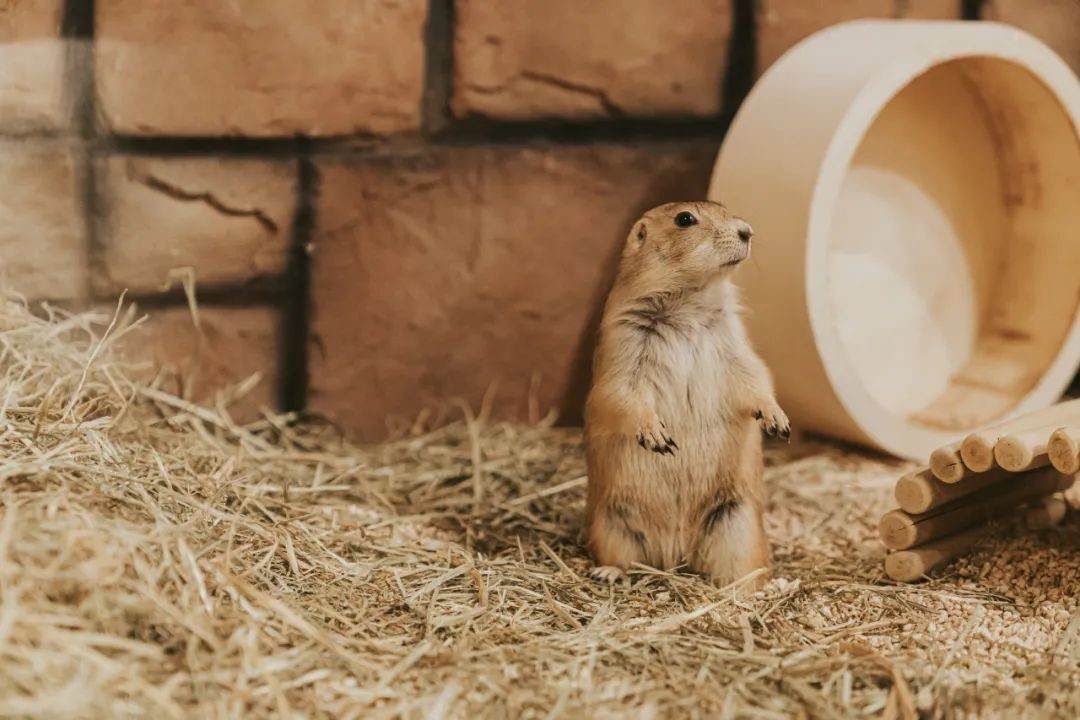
977,449
912,565
1020,451
947,465
1064,449
919,492
900,530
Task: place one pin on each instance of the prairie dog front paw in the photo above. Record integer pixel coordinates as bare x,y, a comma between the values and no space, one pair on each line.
774,422
652,435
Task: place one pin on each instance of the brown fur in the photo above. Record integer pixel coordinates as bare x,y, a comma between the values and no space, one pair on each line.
672,421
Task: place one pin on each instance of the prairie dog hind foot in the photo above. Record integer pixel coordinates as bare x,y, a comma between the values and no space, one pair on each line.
608,574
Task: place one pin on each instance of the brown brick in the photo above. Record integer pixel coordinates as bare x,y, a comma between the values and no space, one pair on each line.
31,66
783,23
228,347
260,67
522,59
434,276
1055,22
229,219
42,229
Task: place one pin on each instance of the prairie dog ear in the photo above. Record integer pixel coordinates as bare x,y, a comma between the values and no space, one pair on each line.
637,237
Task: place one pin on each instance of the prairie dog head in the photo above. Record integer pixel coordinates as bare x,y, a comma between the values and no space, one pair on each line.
686,243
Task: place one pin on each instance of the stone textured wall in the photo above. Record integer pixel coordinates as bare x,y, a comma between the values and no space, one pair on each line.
230,219
389,207
464,267
267,68
523,59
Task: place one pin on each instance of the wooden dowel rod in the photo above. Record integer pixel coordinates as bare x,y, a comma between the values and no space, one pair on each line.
977,449
900,530
1020,451
946,464
919,492
911,565
1064,450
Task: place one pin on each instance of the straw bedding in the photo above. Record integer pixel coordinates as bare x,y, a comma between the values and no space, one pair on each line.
157,559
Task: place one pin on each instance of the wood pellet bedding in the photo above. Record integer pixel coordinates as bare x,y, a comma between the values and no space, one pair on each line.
157,558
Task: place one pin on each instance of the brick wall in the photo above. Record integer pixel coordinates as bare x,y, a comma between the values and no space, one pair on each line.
388,205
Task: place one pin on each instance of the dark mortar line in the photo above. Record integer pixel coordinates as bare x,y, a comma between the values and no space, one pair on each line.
77,31
92,205
971,9
183,146
742,55
296,299
77,20
438,67
469,131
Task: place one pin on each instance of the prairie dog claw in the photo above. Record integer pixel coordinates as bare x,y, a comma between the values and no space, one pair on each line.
774,422
656,438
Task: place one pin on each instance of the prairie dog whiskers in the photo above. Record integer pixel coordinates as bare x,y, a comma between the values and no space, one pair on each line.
679,399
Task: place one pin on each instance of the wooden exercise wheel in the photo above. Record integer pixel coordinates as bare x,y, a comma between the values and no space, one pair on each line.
914,274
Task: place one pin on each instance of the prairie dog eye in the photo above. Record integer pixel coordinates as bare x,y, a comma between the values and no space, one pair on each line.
685,219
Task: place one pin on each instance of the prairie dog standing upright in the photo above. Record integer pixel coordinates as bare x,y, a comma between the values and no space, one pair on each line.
672,420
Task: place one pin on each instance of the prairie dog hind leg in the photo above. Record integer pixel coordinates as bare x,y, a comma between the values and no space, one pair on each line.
613,545
732,543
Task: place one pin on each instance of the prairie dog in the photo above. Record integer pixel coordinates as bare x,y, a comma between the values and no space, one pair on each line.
679,399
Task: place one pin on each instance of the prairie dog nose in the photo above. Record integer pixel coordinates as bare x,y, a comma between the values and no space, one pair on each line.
745,231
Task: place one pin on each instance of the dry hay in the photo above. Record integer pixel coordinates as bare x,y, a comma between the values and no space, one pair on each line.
157,559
